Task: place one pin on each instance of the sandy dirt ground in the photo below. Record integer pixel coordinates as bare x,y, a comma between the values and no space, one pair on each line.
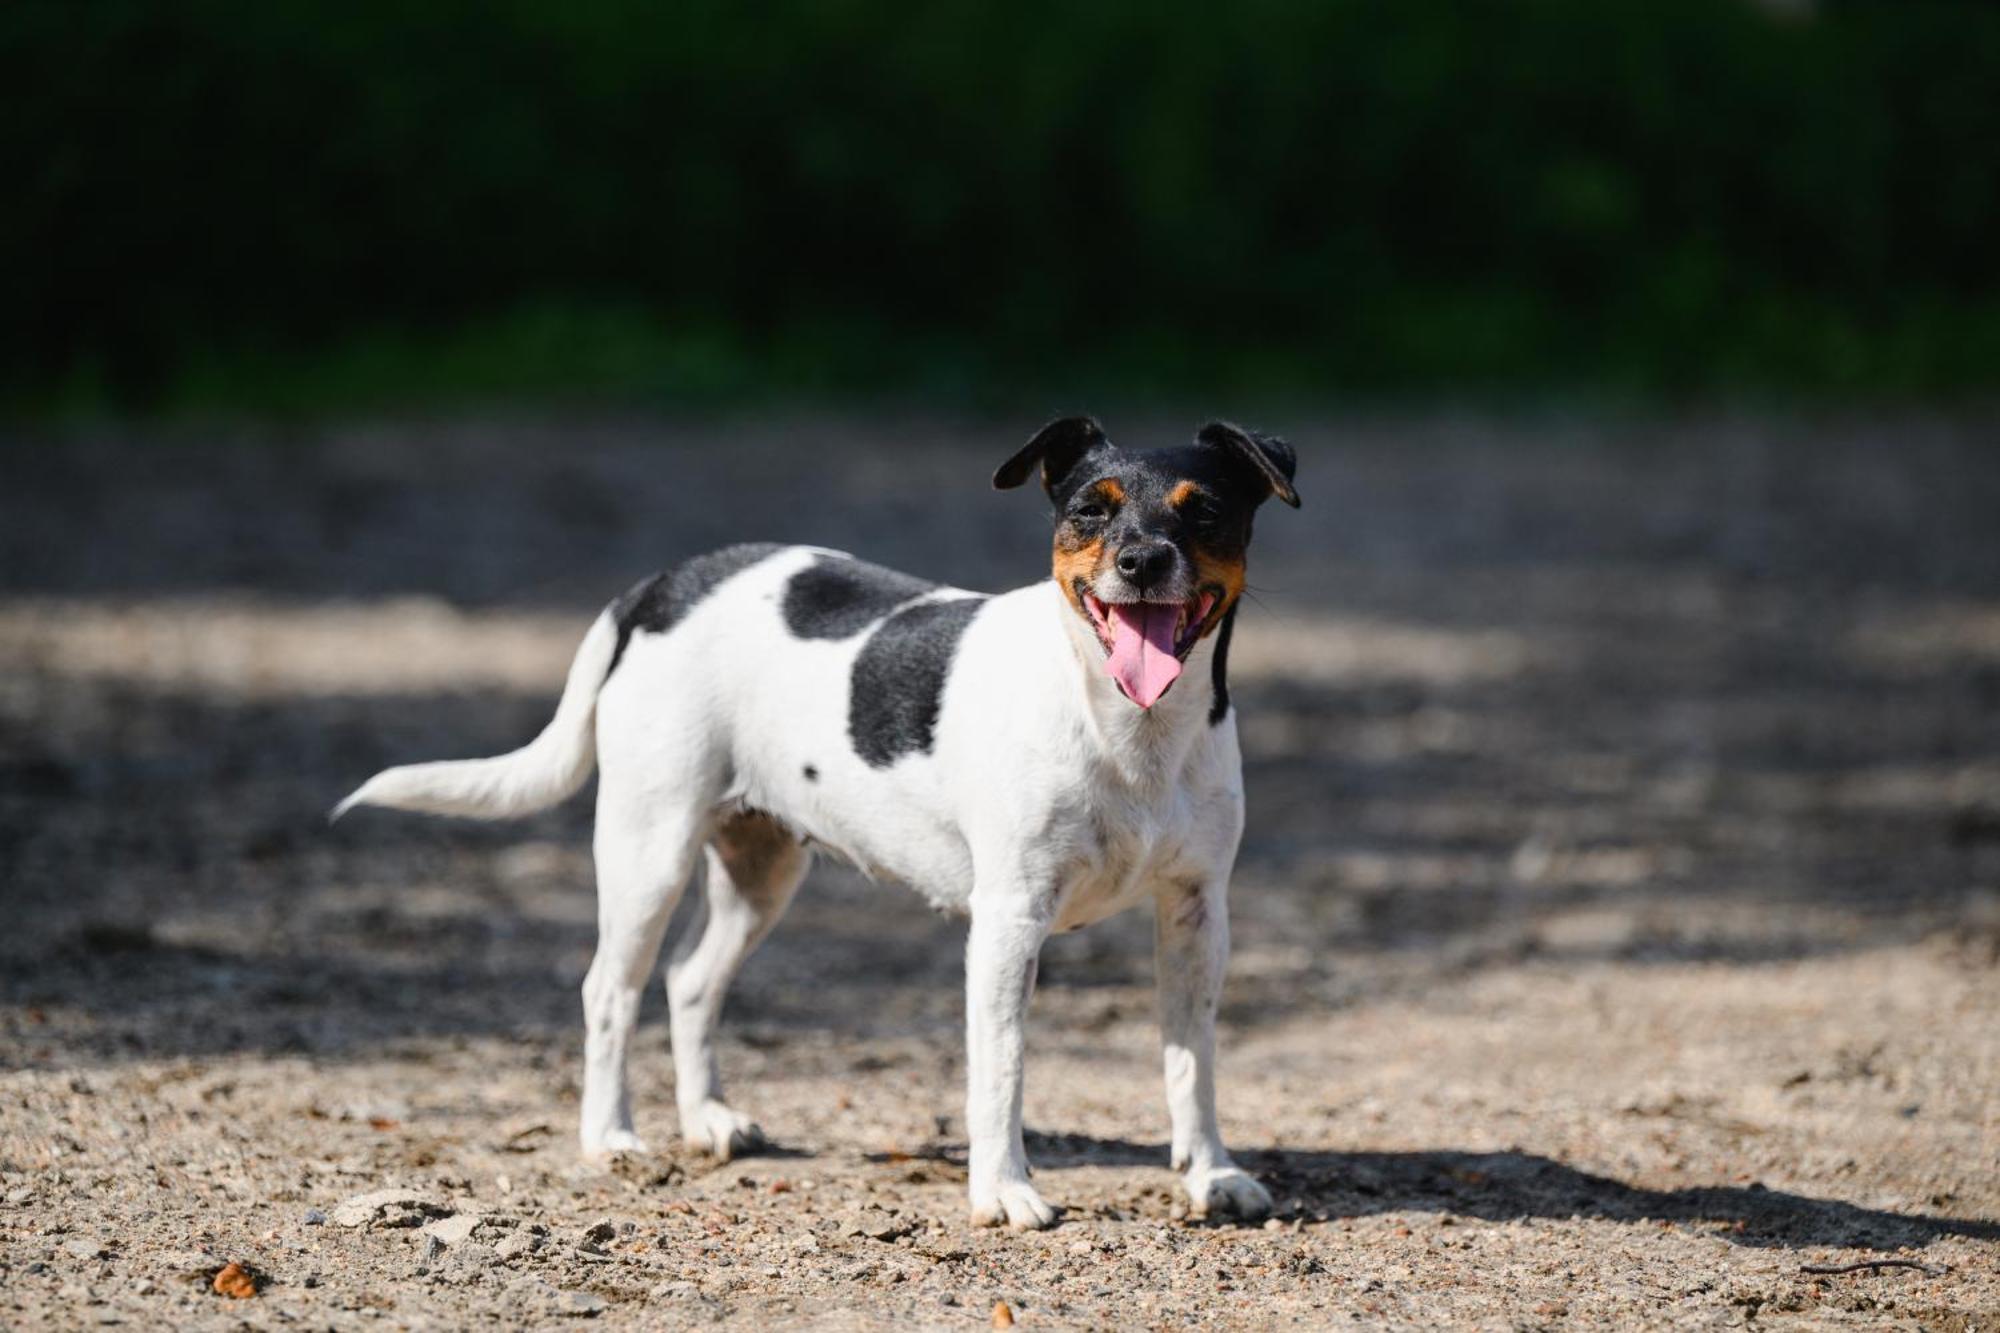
1617,927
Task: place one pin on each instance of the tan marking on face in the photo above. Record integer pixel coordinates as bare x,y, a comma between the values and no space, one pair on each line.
1111,490
1182,493
1076,562
1218,571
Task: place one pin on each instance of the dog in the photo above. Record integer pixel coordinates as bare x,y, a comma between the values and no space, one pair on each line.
1037,760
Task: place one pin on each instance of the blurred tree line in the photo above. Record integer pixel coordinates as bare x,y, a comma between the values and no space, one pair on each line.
249,202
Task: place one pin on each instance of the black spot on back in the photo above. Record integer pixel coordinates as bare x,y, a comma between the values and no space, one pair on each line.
898,680
1219,669
835,598
812,774
660,602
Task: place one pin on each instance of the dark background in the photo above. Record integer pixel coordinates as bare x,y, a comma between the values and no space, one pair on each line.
339,204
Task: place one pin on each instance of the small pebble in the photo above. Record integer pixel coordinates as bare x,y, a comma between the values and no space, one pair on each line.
518,1243
583,1303
454,1230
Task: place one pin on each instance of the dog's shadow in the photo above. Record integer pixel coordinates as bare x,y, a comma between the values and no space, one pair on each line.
1509,1186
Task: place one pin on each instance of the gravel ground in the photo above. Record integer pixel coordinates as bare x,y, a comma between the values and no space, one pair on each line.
1618,924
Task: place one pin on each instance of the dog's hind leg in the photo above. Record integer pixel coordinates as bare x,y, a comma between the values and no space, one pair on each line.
754,869
644,857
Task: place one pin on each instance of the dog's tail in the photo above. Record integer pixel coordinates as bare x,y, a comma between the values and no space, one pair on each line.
545,771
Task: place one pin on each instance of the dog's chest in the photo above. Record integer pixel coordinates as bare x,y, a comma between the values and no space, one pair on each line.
1131,848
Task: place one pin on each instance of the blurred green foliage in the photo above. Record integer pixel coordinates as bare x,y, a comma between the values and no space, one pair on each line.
322,202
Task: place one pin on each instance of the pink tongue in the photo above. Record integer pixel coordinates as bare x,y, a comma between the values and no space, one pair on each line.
1142,649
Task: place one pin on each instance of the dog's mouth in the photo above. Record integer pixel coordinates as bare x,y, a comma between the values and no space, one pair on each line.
1145,643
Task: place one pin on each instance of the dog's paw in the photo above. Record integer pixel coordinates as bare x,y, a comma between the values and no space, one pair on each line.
1227,1191
1014,1203
602,1147
720,1131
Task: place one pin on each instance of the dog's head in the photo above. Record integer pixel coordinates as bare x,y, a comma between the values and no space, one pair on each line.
1150,545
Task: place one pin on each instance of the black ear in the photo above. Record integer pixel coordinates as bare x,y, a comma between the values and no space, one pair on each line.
1056,447
1271,457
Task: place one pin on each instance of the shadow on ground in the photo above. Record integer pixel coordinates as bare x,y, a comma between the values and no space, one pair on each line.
1507,1186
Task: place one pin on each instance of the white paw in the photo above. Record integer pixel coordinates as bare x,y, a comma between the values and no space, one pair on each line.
1013,1202
720,1131
1227,1191
611,1142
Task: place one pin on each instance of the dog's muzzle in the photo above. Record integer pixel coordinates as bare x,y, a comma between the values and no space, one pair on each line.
1146,642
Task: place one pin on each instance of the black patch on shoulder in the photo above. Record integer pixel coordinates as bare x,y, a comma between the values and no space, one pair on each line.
812,774
1219,669
836,598
660,602
898,680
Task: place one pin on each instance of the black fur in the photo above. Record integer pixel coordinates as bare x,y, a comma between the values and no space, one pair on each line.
1148,475
1219,668
812,774
659,603
898,681
1220,522
1056,447
835,598
1267,455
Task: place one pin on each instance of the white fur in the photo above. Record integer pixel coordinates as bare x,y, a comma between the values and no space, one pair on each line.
545,771
1048,801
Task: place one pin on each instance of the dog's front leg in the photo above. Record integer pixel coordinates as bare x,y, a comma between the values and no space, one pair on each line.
1192,936
1000,955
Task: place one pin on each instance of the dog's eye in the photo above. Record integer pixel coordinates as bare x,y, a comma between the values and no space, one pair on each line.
1089,513
1206,513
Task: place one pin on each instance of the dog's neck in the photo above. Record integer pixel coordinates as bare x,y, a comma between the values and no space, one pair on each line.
1145,746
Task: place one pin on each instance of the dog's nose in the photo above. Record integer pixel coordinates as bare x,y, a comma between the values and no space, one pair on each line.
1146,563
